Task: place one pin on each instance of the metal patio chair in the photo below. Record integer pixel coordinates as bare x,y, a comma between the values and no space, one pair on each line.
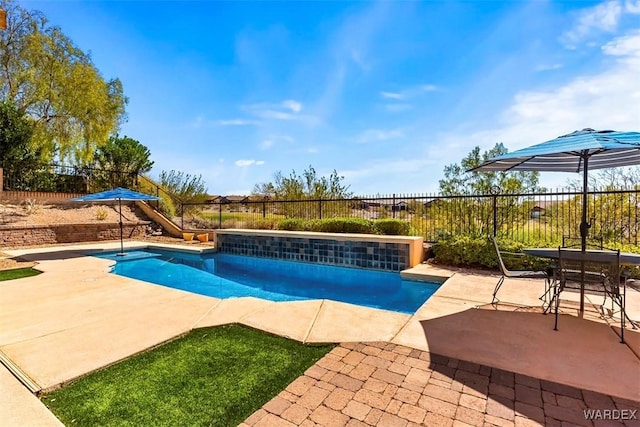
516,274
598,272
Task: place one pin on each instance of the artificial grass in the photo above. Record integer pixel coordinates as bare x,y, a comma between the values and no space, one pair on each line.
18,273
210,377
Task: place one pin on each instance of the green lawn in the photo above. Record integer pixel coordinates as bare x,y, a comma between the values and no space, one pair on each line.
18,273
210,377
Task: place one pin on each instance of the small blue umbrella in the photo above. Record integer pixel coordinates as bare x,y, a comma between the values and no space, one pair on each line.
578,151
114,194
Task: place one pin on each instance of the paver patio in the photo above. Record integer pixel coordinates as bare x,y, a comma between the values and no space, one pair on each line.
368,384
76,317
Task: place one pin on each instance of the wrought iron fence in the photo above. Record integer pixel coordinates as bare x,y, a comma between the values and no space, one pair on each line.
86,179
542,218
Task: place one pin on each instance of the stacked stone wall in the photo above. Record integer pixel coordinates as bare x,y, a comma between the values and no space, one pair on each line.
69,233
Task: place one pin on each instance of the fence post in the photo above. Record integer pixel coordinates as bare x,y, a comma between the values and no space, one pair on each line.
182,215
264,209
495,215
393,206
320,208
220,214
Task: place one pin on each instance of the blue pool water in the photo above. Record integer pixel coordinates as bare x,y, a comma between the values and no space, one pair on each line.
228,276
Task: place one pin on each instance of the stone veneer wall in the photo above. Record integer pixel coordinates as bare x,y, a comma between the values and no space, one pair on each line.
374,253
69,233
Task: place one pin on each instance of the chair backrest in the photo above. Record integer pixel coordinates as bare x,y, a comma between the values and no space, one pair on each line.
503,268
595,266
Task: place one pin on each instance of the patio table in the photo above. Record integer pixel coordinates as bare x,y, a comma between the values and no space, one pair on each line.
626,259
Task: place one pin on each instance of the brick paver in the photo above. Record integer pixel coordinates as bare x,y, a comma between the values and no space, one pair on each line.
382,384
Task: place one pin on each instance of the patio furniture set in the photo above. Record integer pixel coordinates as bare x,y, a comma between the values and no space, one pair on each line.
600,271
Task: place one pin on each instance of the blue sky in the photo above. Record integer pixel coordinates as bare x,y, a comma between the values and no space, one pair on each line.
386,93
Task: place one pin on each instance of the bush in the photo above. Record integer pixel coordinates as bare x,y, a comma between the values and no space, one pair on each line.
392,227
292,224
478,252
101,214
167,207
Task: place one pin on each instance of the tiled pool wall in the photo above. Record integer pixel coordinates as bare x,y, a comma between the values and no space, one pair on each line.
374,254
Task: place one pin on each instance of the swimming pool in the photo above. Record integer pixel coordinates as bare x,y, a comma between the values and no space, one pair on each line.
229,276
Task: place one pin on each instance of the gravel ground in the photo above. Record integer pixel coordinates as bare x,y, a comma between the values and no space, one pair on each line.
25,214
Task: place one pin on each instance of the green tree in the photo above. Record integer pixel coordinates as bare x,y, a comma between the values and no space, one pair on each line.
475,214
19,159
120,161
51,80
609,179
185,187
307,186
459,182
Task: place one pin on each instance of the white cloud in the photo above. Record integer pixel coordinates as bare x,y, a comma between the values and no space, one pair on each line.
391,95
286,110
395,108
372,135
266,144
631,7
238,122
603,17
409,92
549,67
429,88
244,163
608,100
293,105
628,45
387,166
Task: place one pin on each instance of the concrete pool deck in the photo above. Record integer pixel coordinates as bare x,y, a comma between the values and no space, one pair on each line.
76,318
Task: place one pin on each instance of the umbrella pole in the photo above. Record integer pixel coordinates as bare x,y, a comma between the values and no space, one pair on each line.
584,226
121,241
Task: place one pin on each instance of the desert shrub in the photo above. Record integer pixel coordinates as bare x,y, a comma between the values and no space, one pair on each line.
358,225
328,225
166,206
101,213
478,252
265,224
30,206
392,227
292,224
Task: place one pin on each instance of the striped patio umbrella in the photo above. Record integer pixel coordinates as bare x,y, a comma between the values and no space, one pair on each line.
114,194
578,151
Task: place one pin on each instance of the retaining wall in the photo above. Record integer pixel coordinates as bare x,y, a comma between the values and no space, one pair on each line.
69,233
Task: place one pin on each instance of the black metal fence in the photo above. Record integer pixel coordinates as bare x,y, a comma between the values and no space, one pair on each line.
86,179
535,218
542,218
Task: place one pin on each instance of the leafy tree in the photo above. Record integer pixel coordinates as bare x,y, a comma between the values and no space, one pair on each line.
120,161
610,179
475,214
307,186
185,187
51,80
19,159
459,182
